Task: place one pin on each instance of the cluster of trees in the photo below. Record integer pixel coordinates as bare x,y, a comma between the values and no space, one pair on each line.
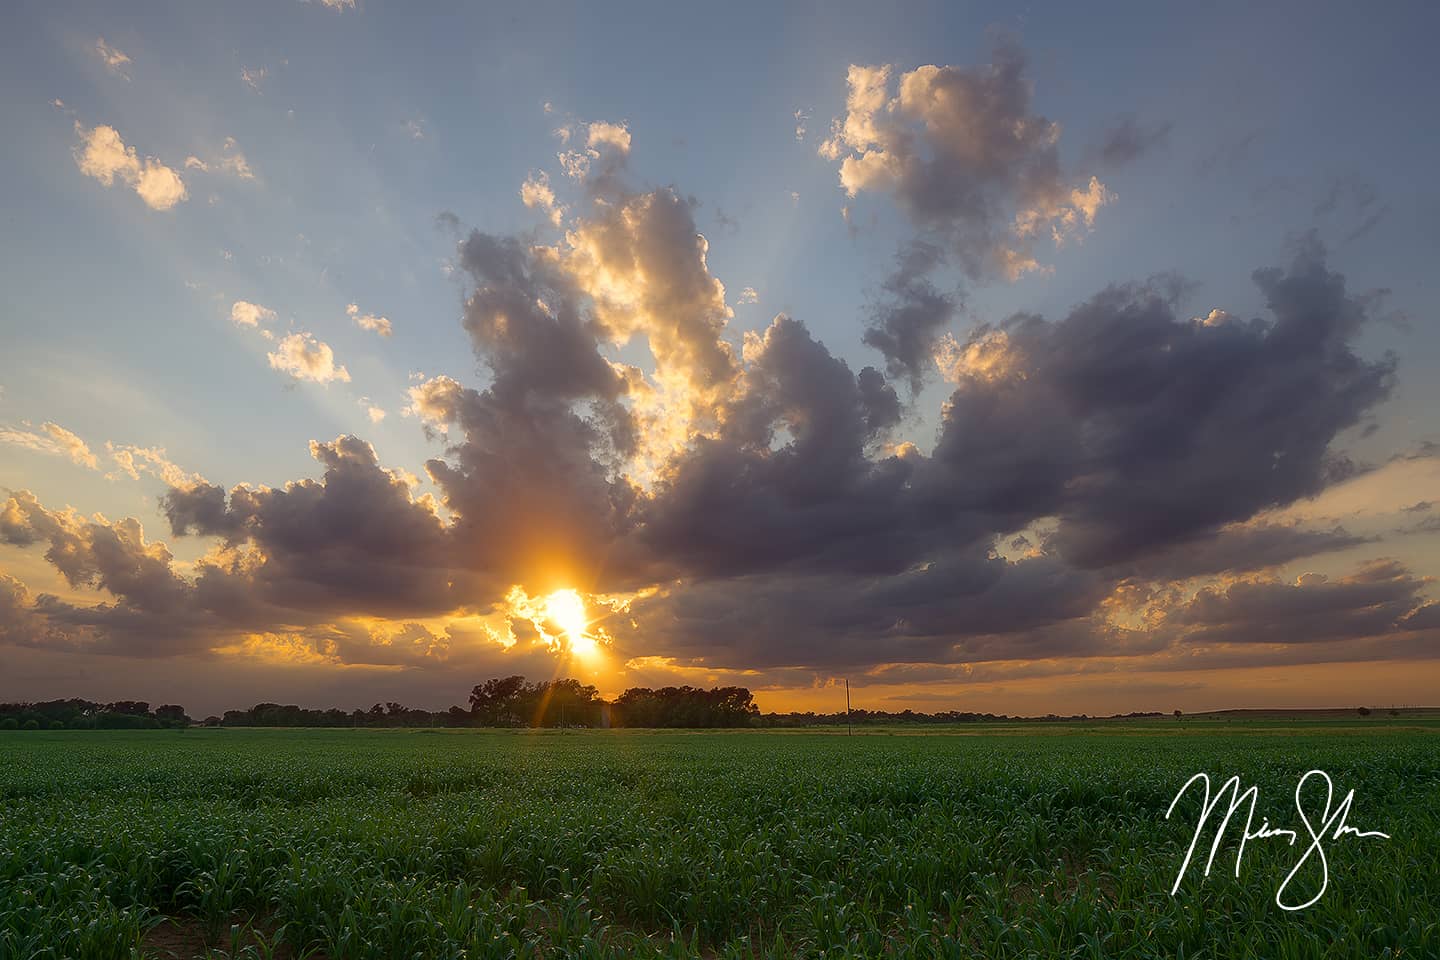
686,707
515,702
75,714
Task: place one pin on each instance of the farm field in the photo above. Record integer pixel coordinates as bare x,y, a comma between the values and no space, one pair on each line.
998,842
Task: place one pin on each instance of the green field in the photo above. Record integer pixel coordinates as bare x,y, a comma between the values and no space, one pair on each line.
997,842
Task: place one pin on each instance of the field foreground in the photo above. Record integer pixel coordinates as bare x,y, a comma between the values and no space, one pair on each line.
1033,841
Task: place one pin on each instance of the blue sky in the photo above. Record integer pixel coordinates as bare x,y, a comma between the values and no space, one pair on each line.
360,125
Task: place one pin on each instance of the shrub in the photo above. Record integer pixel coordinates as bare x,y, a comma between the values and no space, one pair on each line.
9,723
30,725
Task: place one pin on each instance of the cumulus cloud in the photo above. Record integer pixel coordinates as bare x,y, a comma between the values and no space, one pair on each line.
243,313
1248,411
368,321
436,402
906,321
103,155
965,157
535,192
599,163
762,506
306,358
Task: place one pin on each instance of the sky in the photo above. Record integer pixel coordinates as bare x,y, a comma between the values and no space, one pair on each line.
1069,359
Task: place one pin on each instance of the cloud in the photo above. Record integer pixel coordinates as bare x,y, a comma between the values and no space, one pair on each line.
368,321
133,460
339,6
965,158
115,61
613,135
599,164
1373,601
375,413
535,192
243,313
73,446
1129,140
1137,428
1107,486
436,402
231,161
54,439
103,155
906,323
748,296
306,358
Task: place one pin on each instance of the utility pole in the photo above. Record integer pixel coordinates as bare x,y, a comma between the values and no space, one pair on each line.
847,707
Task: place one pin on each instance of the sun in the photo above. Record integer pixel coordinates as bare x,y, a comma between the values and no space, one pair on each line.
567,610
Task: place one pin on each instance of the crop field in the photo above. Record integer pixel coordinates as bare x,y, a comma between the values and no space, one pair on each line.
995,842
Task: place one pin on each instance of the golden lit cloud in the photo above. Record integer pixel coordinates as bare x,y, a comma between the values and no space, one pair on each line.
435,402
132,460
368,321
54,439
243,313
101,154
306,358
535,192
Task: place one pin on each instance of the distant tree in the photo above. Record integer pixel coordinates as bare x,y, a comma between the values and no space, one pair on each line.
9,723
172,714
1394,712
1177,714
30,725
1363,711
496,701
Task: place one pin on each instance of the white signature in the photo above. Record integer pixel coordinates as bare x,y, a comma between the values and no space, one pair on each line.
1329,821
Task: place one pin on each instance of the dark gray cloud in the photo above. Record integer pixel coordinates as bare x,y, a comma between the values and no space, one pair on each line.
1240,548
1139,429
1129,140
911,314
1377,600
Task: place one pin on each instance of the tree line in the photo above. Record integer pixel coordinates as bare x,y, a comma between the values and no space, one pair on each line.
503,702
77,714
499,702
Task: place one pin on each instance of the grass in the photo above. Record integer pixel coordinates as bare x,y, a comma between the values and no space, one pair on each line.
1006,842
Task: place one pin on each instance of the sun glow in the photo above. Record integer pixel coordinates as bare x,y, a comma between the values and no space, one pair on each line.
567,611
